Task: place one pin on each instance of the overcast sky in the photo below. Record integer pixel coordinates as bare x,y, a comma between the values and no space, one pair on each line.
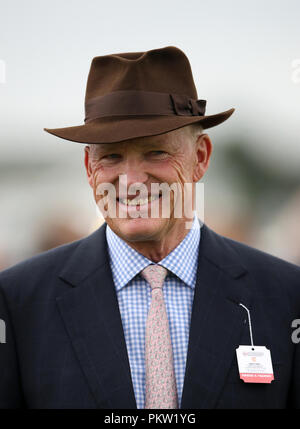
241,52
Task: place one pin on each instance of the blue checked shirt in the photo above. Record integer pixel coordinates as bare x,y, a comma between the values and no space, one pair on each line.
134,296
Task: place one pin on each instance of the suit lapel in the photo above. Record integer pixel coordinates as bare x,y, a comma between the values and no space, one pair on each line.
92,319
216,322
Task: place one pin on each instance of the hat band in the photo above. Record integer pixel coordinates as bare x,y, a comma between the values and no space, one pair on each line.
130,102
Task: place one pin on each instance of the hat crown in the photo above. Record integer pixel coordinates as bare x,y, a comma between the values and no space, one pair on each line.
139,94
165,70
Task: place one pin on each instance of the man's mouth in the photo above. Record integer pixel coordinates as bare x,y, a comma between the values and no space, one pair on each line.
138,201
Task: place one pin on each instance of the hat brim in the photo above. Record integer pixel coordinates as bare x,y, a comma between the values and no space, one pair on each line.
117,129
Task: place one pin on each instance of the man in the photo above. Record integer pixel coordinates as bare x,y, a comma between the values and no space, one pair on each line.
148,311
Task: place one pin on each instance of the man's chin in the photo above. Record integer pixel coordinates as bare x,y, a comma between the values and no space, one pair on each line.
140,229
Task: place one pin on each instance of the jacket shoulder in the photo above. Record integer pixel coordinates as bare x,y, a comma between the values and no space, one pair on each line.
258,259
38,275
50,259
271,275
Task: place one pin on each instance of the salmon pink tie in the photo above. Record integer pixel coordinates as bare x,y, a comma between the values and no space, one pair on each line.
161,389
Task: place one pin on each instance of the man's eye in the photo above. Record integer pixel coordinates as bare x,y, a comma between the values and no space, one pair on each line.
112,156
158,153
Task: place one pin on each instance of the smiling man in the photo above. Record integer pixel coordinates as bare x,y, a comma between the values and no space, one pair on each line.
154,309
174,158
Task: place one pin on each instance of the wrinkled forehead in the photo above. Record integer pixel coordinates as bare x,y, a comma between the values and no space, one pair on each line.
172,140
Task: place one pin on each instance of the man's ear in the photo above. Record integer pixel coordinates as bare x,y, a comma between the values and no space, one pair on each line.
203,153
88,165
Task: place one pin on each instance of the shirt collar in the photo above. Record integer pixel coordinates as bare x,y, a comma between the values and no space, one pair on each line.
126,262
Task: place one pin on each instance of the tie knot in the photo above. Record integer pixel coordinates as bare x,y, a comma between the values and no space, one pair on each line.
155,275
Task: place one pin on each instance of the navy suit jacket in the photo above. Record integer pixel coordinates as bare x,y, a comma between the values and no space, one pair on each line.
65,345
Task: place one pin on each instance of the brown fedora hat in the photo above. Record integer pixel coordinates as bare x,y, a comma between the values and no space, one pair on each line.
139,94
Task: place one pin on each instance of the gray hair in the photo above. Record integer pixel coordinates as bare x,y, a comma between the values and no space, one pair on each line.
193,130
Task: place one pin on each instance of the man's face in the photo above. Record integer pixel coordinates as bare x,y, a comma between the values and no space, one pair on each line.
169,158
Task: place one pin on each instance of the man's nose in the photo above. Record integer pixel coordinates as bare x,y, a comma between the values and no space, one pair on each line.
135,171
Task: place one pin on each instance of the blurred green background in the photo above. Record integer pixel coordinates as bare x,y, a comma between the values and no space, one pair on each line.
243,54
